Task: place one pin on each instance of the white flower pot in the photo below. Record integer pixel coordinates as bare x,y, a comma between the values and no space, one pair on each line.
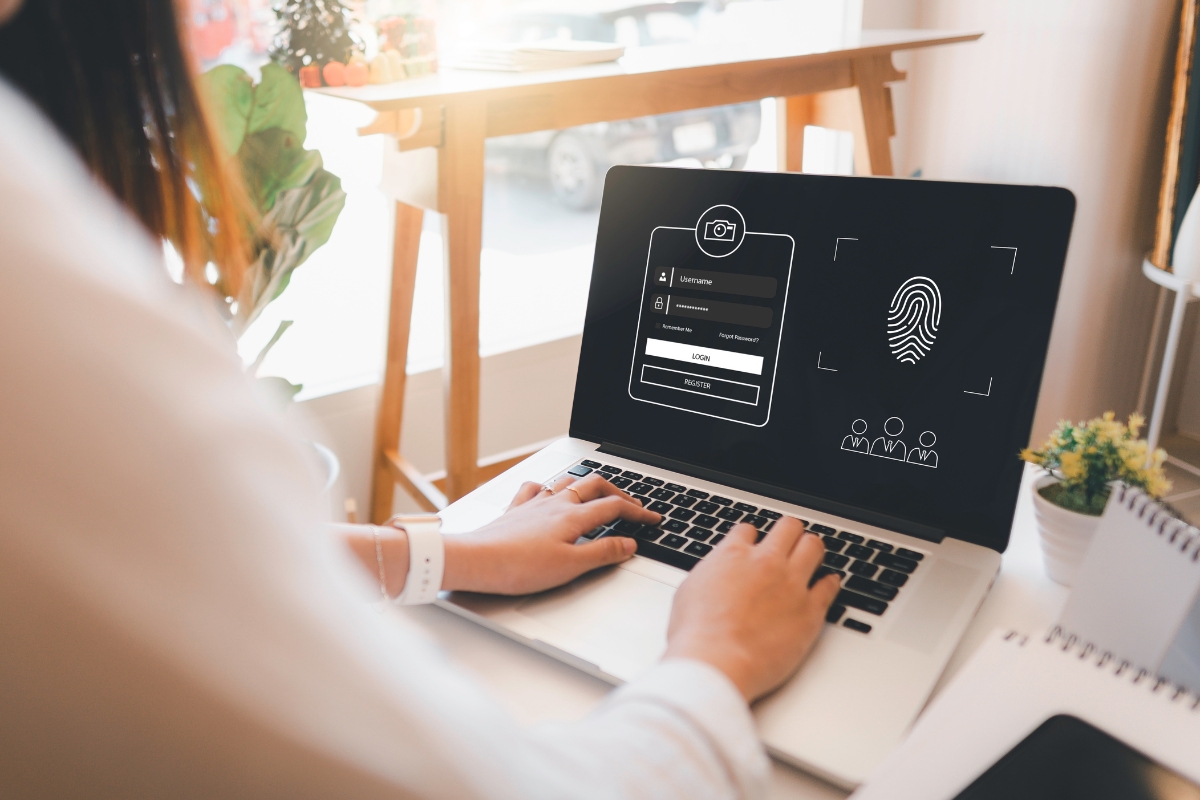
1065,534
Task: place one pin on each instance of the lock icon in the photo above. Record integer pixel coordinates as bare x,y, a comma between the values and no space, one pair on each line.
658,303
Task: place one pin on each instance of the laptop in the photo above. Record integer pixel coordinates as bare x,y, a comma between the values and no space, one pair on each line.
863,354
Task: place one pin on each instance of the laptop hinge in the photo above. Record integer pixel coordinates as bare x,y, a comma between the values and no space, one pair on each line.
907,527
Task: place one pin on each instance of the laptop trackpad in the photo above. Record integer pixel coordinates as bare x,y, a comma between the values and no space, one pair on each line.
613,611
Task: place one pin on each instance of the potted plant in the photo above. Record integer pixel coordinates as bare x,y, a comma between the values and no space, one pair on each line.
1081,461
262,127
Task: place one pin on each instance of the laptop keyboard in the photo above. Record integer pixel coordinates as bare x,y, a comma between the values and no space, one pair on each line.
872,571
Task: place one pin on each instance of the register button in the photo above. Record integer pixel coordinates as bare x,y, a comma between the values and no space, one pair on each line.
701,384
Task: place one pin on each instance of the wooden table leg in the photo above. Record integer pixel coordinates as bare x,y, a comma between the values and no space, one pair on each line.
879,122
460,197
406,243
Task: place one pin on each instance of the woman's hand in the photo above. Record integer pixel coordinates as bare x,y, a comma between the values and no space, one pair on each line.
532,546
749,610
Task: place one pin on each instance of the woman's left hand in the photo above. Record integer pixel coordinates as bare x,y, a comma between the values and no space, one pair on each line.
532,546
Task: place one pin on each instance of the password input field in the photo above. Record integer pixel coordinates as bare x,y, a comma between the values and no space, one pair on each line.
693,354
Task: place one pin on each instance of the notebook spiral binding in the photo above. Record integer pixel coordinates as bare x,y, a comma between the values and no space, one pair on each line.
1086,651
1160,518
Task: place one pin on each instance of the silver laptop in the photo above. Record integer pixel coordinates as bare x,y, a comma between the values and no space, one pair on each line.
862,354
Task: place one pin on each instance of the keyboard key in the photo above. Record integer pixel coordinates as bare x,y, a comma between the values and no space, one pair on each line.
659,507
683,501
620,482
644,501
822,571
579,470
834,613
858,551
716,539
731,514
682,513
590,464
769,514
662,494
698,549
653,481
725,527
862,602
675,525
855,625
627,527
836,561
639,488
882,547
895,562
869,587
749,509
863,568
705,507
893,578
721,501
699,534
761,535
671,540
850,537
637,476
610,468
833,545
705,521
817,527
649,533
755,520
910,554
666,555
675,487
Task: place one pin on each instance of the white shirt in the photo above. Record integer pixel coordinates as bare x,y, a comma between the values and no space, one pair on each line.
174,619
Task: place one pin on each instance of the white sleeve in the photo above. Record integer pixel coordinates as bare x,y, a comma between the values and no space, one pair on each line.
176,621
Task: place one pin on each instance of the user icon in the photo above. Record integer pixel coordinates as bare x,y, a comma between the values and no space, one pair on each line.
888,446
663,277
923,455
856,441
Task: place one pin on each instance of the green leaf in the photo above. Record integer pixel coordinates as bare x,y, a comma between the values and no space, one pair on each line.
277,393
310,211
278,103
274,160
229,94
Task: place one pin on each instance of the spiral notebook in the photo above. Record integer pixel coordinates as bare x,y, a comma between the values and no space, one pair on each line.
1013,687
1136,597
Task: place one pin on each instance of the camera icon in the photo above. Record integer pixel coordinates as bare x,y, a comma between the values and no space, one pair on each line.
719,230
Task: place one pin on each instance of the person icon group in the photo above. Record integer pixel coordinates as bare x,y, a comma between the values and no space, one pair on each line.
889,444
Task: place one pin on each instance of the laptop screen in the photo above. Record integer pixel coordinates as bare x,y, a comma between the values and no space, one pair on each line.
867,347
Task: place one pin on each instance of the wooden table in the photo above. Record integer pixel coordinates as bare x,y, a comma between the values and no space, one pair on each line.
455,111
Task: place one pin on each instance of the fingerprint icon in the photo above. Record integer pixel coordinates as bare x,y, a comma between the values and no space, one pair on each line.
913,319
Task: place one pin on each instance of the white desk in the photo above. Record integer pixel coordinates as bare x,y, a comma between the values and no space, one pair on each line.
534,687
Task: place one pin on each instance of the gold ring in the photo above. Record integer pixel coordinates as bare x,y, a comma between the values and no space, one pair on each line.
576,491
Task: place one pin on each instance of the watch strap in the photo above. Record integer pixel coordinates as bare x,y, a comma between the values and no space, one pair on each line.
426,557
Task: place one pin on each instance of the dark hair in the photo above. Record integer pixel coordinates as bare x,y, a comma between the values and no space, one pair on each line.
115,77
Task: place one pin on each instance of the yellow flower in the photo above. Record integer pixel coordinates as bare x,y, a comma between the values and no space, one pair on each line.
1073,467
1136,421
1028,455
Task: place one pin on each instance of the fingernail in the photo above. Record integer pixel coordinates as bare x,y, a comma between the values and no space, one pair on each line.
630,547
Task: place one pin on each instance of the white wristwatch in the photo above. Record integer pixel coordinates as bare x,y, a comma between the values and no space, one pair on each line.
426,557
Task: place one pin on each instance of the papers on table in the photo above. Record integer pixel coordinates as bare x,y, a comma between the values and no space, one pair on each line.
529,56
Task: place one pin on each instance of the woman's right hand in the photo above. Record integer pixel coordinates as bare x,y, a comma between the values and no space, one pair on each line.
747,609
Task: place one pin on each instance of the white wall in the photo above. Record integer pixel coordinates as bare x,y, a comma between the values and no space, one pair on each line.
1066,92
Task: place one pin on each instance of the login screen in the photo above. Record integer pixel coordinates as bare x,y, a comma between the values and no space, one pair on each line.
868,347
714,299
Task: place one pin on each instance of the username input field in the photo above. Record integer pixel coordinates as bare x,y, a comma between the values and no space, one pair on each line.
693,354
711,281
